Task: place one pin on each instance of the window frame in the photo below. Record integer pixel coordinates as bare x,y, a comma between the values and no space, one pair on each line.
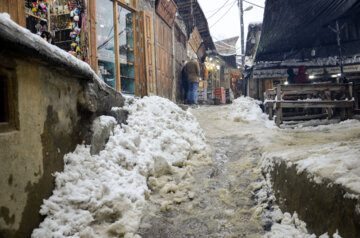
11,102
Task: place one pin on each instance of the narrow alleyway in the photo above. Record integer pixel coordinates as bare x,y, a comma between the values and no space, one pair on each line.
224,204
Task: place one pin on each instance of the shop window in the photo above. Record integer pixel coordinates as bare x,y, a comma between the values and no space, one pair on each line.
126,50
7,101
60,22
105,41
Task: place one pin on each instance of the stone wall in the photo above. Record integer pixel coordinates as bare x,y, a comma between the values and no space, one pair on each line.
55,107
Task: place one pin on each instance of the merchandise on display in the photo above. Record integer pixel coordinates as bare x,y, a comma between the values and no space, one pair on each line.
60,22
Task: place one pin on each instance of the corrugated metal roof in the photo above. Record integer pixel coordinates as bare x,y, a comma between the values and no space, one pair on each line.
292,28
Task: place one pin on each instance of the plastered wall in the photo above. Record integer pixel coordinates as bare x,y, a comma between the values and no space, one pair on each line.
48,128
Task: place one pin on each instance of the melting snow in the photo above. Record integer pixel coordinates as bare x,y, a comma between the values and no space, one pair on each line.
104,195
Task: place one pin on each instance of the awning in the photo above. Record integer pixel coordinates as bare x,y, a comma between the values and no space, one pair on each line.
291,29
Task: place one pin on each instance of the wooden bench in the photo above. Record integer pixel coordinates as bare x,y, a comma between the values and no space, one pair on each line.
305,98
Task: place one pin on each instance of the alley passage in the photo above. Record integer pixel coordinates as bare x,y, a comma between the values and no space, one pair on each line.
223,204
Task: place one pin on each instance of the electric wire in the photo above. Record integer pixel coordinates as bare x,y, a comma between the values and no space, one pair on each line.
219,9
223,15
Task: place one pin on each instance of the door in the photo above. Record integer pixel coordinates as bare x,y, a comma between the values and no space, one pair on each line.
164,58
145,67
149,53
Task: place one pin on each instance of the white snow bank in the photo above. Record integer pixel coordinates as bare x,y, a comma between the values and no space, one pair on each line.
292,226
247,109
338,161
104,195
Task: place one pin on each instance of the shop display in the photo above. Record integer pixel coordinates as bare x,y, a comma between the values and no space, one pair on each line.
105,41
61,22
126,50
37,18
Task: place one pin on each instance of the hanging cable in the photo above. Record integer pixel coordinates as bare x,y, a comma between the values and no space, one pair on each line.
253,4
218,10
223,15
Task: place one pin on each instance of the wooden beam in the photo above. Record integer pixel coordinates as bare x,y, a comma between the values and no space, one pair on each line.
116,46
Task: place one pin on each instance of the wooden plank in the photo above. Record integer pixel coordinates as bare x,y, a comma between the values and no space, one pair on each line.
116,46
129,4
166,10
278,92
304,117
316,104
20,9
314,87
93,37
137,51
164,58
149,53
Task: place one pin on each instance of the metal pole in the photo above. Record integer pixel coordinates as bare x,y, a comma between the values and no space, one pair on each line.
240,3
338,31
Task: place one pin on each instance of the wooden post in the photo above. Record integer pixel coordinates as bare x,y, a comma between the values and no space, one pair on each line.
92,35
342,114
278,93
116,48
278,114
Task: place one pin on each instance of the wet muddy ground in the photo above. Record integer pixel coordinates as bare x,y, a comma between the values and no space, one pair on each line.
223,203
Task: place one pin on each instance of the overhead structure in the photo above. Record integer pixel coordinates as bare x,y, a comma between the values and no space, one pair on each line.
193,16
227,46
302,29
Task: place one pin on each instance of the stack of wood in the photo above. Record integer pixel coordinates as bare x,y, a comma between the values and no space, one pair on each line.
309,101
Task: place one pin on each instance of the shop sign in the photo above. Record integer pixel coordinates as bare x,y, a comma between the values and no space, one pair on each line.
195,40
167,11
282,73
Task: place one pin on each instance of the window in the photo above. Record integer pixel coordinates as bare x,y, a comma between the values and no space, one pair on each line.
7,100
126,50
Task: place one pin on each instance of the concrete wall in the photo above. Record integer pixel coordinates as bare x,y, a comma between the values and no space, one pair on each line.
55,110
324,208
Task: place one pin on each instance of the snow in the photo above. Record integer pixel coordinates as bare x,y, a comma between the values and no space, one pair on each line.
328,150
247,109
105,195
338,161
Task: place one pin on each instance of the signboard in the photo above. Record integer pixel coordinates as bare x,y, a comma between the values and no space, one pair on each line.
195,40
282,73
166,10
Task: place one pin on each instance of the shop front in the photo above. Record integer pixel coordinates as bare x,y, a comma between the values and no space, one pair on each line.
99,32
115,44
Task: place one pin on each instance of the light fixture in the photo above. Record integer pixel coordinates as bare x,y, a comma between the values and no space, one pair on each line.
217,67
313,52
211,58
248,8
286,83
311,76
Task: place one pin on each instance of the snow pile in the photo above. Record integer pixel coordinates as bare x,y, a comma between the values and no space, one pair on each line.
246,109
338,161
105,195
290,226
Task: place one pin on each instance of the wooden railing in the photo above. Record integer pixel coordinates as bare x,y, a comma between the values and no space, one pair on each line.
309,101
